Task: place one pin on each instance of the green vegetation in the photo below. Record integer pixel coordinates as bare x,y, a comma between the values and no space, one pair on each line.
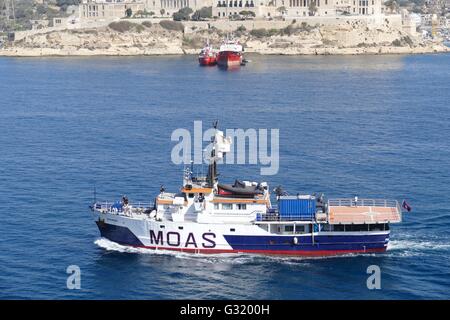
261,33
241,29
192,43
392,5
312,8
289,30
247,14
182,14
143,14
25,10
403,42
172,25
203,13
126,26
63,4
282,10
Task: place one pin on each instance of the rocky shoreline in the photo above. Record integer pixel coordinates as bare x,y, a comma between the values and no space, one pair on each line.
153,39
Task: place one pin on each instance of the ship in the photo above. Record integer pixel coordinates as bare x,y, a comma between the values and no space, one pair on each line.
209,217
230,54
207,56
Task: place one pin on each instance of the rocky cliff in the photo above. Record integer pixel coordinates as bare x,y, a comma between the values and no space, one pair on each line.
155,39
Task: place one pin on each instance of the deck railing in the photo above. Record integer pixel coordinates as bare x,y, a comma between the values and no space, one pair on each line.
109,206
349,202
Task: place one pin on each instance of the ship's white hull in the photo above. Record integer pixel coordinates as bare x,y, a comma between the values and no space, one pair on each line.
212,238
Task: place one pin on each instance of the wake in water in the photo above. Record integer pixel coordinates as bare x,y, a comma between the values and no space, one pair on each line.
416,245
207,258
396,248
232,258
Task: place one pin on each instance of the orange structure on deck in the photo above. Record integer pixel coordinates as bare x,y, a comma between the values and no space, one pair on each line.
345,211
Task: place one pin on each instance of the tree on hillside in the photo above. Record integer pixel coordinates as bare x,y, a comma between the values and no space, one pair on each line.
203,13
162,11
63,4
247,14
392,5
182,14
128,13
282,10
312,8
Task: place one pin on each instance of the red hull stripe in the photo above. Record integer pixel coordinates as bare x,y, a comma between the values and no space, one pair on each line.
207,61
306,253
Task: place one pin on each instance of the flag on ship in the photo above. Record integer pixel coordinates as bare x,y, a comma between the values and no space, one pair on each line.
406,206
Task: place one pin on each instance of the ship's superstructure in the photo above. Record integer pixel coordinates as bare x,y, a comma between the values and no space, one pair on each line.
206,216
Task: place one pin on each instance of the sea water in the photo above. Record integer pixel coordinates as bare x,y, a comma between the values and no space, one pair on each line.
371,126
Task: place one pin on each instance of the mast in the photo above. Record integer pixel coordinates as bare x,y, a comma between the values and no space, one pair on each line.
221,145
212,167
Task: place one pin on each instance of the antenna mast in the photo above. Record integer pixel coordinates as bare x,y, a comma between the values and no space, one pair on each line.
212,168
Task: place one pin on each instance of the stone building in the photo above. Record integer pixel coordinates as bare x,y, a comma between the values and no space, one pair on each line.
116,9
108,9
297,8
172,6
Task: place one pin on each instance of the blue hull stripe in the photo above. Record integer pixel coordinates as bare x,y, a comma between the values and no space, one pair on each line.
121,235
334,242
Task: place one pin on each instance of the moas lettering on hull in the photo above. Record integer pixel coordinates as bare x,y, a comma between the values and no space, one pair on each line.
174,239
205,216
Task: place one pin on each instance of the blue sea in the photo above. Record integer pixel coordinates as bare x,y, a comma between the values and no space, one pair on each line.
372,126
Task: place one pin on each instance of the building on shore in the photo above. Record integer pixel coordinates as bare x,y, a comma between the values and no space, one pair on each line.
297,8
108,9
116,9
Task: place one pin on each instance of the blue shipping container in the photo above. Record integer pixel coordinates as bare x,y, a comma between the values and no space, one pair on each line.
295,208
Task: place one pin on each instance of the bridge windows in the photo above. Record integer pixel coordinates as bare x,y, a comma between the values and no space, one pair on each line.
227,206
359,227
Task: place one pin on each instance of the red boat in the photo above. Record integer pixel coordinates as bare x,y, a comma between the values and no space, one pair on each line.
208,56
230,54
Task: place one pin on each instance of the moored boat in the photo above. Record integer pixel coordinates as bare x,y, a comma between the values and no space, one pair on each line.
230,54
207,56
205,216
